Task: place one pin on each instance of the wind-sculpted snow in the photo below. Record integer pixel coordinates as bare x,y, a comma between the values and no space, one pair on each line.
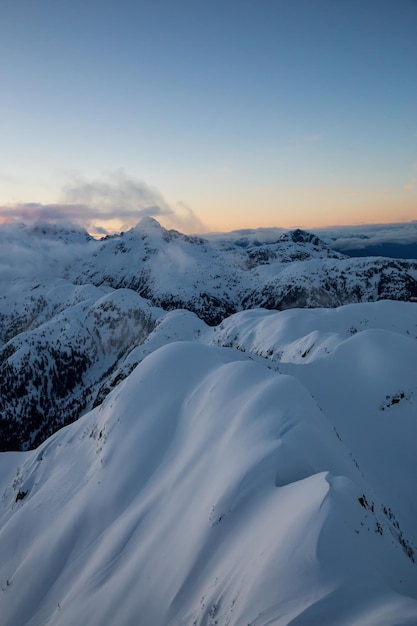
225,466
300,336
206,489
359,363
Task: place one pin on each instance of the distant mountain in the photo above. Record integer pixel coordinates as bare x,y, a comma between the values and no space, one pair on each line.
72,308
218,277
205,431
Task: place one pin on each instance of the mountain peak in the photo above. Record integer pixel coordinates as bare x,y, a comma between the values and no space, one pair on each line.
67,232
302,236
148,223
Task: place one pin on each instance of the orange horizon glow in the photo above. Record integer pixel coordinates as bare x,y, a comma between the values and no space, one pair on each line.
377,211
309,208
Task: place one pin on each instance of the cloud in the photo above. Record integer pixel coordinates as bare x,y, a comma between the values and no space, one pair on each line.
186,220
366,235
127,199
101,206
30,212
23,253
117,194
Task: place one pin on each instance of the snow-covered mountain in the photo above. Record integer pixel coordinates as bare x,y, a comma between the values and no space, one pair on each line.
212,276
53,371
215,277
72,307
218,485
220,463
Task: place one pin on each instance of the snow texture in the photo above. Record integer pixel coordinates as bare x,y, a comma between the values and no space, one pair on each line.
259,470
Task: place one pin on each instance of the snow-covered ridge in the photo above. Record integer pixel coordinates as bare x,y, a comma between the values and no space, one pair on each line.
211,488
53,371
52,322
214,277
225,466
218,277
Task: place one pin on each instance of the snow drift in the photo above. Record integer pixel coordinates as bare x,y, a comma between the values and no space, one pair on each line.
230,466
207,489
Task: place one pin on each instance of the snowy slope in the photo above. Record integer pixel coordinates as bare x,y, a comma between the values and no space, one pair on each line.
227,499
52,371
359,363
215,277
248,468
300,336
51,276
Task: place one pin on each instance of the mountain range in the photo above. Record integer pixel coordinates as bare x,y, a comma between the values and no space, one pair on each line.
205,430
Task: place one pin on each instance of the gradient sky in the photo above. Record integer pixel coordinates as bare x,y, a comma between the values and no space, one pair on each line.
226,113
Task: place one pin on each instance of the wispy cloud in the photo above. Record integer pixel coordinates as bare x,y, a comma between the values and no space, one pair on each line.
30,212
366,235
99,204
126,198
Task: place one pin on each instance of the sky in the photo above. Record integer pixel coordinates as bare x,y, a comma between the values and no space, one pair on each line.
209,115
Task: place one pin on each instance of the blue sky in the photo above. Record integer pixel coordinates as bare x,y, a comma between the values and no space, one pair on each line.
232,114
